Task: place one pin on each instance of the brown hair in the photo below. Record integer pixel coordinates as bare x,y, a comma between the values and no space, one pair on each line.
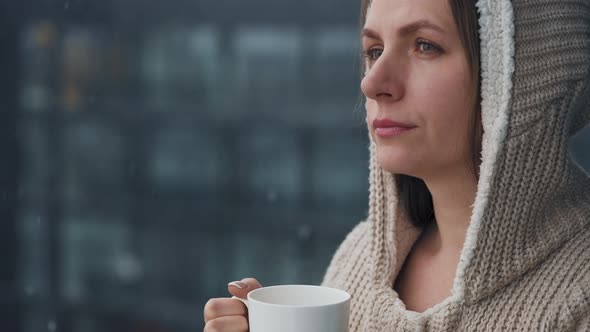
414,196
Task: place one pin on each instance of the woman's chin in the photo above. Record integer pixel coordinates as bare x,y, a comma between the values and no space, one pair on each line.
396,165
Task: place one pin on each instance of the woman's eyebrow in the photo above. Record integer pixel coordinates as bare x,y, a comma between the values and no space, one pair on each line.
406,29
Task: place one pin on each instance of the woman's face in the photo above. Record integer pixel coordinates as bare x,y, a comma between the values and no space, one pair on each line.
417,74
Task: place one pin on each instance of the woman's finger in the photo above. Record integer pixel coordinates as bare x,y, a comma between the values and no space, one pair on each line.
227,324
221,307
243,287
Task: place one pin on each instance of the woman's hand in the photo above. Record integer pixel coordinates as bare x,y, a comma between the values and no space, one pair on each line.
227,314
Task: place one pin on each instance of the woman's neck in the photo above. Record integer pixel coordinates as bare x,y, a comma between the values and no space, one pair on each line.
452,198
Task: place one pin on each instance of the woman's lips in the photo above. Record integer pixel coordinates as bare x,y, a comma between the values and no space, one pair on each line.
390,128
391,131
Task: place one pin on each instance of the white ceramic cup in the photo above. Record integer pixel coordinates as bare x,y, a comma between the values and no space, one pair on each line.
297,308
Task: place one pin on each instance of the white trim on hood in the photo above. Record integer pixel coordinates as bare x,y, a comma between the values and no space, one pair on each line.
497,66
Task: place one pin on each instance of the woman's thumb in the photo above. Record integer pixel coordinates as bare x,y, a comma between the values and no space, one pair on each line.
243,287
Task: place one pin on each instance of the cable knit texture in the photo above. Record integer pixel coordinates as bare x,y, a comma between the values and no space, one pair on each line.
525,265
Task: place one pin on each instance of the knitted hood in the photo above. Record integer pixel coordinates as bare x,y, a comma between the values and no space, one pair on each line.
531,198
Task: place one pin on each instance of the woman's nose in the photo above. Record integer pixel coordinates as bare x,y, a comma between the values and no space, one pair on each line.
383,81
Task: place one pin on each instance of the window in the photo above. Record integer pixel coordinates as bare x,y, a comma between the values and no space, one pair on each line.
163,149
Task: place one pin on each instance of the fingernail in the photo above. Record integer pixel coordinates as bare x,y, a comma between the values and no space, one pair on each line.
238,284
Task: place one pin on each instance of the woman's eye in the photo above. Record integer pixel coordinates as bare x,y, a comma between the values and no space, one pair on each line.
372,54
426,47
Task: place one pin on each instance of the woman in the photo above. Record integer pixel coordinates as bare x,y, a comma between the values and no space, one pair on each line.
478,220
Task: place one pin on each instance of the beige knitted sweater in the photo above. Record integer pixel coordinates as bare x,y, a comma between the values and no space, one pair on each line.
525,265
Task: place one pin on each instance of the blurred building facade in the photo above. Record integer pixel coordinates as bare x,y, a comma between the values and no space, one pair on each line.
167,148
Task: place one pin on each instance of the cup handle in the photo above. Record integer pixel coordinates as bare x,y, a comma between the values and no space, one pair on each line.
244,301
